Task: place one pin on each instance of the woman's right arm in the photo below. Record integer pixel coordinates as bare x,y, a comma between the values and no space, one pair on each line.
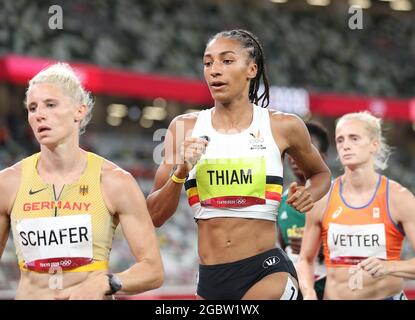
180,154
4,228
309,249
9,183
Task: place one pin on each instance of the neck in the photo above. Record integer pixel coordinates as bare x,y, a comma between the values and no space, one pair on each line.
61,160
360,179
233,116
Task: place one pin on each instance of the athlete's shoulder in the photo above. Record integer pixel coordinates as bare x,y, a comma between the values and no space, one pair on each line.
118,186
184,122
9,184
288,123
10,174
288,118
401,202
398,193
186,117
114,174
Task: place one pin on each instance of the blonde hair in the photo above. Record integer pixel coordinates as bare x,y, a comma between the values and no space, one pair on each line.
63,75
373,126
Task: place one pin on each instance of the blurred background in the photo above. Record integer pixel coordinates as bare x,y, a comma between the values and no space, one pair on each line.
143,62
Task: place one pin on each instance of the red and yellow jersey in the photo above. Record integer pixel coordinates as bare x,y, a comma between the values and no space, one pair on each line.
68,230
352,234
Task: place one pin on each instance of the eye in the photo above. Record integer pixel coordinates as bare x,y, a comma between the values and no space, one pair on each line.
31,108
207,63
50,104
227,61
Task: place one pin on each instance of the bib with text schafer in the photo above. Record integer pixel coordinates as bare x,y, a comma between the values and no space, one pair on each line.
60,243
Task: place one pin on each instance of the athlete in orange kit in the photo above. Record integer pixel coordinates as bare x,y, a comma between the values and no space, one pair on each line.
362,221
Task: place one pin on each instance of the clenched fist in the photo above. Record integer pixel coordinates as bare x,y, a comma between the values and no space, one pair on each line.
191,150
299,198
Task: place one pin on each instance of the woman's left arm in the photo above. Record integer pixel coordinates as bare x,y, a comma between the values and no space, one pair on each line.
125,199
297,143
401,207
130,206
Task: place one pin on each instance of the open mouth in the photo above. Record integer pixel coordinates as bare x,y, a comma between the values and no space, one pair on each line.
217,84
42,129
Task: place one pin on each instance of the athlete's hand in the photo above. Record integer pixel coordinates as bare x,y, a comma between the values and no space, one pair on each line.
299,198
93,288
191,150
375,267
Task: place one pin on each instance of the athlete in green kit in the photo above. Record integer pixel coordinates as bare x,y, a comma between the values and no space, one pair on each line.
291,222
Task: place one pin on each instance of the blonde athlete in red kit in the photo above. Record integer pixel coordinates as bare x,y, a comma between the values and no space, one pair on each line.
63,204
362,221
232,158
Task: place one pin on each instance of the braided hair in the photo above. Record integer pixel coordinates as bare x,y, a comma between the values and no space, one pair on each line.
250,42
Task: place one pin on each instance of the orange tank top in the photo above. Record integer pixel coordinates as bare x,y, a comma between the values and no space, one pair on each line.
352,234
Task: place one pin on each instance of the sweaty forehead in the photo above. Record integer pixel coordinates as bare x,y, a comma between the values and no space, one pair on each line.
352,126
219,45
44,87
43,91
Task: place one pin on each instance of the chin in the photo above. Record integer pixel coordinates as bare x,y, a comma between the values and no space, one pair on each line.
221,98
47,142
350,164
346,162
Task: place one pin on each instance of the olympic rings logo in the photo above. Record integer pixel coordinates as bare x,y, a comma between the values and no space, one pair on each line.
256,140
65,263
240,201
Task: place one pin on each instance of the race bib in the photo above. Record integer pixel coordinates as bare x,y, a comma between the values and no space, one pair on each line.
349,244
231,182
55,242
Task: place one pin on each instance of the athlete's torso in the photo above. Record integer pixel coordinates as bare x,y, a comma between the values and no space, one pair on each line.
71,231
235,189
349,283
240,175
351,234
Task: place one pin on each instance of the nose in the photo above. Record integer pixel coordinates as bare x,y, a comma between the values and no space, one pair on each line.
345,145
215,69
40,114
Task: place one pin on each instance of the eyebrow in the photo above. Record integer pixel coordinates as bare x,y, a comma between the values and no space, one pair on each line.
45,101
350,135
220,54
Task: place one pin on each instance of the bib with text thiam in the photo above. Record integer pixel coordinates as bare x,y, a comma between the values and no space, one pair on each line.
237,182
